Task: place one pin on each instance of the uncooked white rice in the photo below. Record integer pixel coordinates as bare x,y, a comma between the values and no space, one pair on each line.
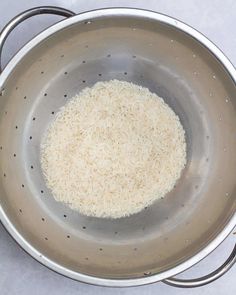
112,150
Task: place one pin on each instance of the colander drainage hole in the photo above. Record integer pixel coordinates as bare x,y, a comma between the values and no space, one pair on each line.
30,137
66,73
4,175
42,72
62,55
0,147
34,118
41,191
100,249
45,94
68,237
32,167
65,95
22,185
135,249
25,97
116,232
43,219
16,127
46,238
83,61
53,113
20,210
108,55
86,258
14,155
125,73
65,215
134,56
84,227
84,81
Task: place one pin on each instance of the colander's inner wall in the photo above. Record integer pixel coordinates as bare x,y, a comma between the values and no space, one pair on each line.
190,80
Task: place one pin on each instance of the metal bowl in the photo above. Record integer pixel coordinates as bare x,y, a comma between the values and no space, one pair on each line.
172,60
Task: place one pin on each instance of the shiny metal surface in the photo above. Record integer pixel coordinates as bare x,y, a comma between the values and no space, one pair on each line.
193,77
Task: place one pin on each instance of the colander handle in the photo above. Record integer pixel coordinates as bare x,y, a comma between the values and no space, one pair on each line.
191,283
27,14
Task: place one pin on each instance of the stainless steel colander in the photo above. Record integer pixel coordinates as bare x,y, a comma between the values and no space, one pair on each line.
172,60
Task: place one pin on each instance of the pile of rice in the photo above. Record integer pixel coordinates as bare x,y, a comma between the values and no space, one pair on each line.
112,150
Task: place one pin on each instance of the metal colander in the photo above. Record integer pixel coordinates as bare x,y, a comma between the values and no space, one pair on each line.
172,60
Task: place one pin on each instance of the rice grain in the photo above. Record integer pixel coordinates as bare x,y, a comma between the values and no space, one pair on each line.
112,150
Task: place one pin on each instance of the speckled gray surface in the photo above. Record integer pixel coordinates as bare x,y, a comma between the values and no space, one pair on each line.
21,274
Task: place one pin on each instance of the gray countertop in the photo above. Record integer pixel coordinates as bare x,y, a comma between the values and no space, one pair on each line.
21,274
